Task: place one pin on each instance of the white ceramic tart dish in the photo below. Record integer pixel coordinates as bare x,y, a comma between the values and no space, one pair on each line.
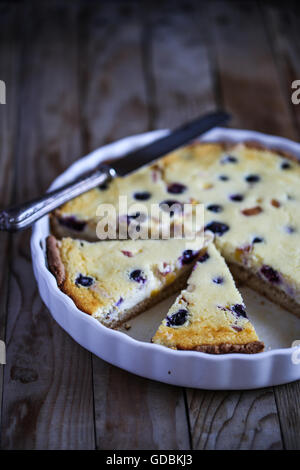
133,351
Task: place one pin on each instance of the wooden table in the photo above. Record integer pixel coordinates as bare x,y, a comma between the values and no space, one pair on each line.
79,75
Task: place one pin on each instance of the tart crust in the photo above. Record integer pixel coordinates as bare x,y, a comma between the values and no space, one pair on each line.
225,348
256,282
55,263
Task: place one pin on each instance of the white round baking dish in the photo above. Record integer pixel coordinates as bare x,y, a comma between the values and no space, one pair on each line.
183,368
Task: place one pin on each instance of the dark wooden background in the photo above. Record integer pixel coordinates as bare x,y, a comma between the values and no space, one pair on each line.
79,75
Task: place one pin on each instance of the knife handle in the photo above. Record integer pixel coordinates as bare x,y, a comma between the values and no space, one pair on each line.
22,216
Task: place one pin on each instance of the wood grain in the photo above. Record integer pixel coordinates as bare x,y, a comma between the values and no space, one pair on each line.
179,69
249,83
9,69
288,405
136,413
130,412
47,399
282,27
112,89
234,420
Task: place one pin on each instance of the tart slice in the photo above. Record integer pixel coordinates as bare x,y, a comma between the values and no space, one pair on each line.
209,315
115,280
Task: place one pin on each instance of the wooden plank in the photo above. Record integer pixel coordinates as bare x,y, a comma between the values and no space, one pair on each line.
112,89
136,413
130,412
282,25
9,62
47,400
249,82
191,35
234,420
283,28
180,73
288,403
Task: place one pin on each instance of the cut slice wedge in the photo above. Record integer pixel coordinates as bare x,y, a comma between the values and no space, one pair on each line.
115,280
209,315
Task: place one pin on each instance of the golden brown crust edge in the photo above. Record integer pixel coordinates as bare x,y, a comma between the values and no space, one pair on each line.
253,144
258,146
55,263
226,348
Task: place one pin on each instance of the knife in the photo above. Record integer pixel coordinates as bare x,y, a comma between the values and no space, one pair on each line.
22,216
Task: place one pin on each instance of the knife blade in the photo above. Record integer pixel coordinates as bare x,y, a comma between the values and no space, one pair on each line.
24,215
164,145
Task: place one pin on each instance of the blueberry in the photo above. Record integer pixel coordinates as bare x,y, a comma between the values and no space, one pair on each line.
269,273
134,216
177,318
176,188
72,223
214,208
103,186
223,178
188,256
229,159
219,228
118,303
142,196
236,197
84,281
252,178
138,216
257,240
138,276
239,310
203,258
290,229
171,206
285,166
218,280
